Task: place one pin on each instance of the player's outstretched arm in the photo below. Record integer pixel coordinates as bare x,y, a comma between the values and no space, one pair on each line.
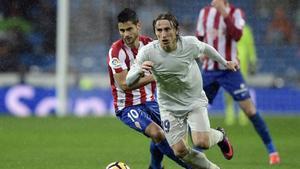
213,54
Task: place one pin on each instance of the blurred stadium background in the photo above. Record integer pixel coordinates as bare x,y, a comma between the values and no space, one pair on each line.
28,31
30,83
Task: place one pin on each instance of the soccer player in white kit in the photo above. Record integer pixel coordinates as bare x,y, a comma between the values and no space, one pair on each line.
136,105
183,103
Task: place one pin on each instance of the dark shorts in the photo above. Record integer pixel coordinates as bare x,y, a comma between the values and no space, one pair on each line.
232,82
140,116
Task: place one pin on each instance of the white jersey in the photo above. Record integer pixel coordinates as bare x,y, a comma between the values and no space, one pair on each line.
179,81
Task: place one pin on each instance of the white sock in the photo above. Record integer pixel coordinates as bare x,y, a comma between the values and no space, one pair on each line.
215,136
198,159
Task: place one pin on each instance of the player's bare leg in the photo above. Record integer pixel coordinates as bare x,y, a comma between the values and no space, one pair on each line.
157,135
204,137
214,136
192,157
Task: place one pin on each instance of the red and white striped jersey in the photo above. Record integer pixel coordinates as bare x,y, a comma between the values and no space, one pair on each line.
121,57
221,33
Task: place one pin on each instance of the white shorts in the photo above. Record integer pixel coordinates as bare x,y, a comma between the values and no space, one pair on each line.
176,128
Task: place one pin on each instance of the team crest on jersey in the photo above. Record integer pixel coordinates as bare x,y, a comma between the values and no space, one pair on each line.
115,63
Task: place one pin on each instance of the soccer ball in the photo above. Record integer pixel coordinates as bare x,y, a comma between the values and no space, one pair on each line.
117,165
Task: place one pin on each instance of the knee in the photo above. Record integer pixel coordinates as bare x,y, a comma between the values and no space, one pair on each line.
248,107
156,134
249,111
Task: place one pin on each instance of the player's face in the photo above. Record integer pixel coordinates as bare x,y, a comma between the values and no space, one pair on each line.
166,34
129,33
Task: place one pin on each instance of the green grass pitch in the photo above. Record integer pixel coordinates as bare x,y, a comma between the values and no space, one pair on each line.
92,143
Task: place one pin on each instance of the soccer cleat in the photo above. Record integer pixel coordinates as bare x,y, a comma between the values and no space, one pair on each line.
274,158
225,145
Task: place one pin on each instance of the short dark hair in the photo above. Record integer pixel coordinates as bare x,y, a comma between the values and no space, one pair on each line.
166,16
126,15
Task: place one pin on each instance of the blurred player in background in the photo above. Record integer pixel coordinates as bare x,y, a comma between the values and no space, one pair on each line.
247,57
221,25
135,106
182,101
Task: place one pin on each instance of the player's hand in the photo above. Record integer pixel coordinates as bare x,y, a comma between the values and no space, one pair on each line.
231,65
147,66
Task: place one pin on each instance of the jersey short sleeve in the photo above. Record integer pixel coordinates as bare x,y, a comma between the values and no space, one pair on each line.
198,46
117,61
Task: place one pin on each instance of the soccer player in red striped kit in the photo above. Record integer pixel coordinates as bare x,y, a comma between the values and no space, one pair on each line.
136,106
221,25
